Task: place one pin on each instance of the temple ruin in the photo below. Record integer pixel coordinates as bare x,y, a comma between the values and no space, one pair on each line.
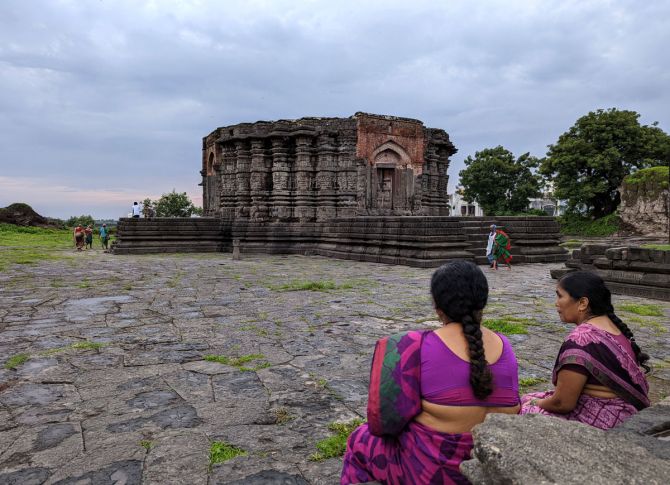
368,187
319,169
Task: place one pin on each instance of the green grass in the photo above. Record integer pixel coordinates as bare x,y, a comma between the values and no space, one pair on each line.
87,345
238,362
644,310
16,360
323,285
658,247
661,175
583,226
336,445
508,325
30,245
220,451
526,382
147,444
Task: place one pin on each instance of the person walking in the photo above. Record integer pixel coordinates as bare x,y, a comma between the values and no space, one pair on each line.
489,245
136,210
89,237
104,237
79,238
501,248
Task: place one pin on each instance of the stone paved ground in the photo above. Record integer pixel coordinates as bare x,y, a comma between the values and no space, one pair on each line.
144,406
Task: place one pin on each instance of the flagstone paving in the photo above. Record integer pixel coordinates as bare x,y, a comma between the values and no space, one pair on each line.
105,377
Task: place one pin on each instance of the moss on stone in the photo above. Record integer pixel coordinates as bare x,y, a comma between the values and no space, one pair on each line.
651,176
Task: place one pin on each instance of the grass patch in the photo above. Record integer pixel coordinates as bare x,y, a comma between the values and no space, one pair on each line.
238,362
572,244
283,415
16,360
658,247
526,382
644,310
87,345
220,451
30,245
305,285
147,444
506,326
576,225
336,445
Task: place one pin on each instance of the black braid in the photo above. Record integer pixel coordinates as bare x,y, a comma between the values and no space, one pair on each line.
641,357
460,290
481,379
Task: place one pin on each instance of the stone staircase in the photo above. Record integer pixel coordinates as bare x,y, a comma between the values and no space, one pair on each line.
171,235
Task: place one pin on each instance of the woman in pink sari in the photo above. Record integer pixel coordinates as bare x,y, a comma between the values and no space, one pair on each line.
597,376
429,388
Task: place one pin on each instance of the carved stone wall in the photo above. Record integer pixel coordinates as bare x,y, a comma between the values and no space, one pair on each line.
320,169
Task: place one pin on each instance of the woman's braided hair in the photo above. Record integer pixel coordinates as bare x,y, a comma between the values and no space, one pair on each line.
580,284
460,290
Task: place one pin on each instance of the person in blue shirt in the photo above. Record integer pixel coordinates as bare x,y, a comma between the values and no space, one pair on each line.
104,236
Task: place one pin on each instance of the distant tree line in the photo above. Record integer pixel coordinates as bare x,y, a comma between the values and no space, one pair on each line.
585,167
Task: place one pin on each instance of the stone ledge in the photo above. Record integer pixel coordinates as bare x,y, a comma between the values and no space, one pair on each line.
533,449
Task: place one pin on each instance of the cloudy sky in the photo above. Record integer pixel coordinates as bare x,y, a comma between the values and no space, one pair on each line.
104,102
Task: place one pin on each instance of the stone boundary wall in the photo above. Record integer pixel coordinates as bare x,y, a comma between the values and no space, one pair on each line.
628,270
414,241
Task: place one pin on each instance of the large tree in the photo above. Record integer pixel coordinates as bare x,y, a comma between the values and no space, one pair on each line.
175,204
588,163
499,182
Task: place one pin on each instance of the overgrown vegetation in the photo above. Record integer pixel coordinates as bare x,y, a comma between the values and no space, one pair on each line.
220,451
16,360
29,245
508,325
642,309
238,362
659,175
577,225
336,445
527,382
147,444
658,247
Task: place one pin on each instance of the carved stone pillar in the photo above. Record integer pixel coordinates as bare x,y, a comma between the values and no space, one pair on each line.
346,178
280,197
228,179
258,183
325,179
304,198
362,186
242,172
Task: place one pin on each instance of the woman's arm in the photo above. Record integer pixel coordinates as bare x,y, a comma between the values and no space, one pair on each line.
569,387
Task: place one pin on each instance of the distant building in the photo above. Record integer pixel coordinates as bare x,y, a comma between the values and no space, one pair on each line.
462,208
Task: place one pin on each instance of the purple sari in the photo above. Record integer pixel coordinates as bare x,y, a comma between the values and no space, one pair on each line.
611,365
391,447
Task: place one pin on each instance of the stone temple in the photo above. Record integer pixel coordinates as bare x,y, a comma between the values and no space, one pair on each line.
319,169
368,187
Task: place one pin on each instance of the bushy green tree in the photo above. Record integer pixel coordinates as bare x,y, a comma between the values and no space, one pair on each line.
499,182
148,207
174,204
589,162
83,221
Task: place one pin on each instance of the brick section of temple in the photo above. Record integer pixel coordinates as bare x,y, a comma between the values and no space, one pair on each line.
319,169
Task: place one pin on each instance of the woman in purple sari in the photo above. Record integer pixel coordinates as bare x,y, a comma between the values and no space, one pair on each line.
597,376
429,388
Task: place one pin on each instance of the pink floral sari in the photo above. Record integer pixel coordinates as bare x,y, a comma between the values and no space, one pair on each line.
611,365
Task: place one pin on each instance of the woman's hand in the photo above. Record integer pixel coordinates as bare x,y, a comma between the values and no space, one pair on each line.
569,386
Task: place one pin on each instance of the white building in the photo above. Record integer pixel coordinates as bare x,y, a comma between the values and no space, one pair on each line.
460,207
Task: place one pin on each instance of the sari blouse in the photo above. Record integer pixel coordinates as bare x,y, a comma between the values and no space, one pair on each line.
610,364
